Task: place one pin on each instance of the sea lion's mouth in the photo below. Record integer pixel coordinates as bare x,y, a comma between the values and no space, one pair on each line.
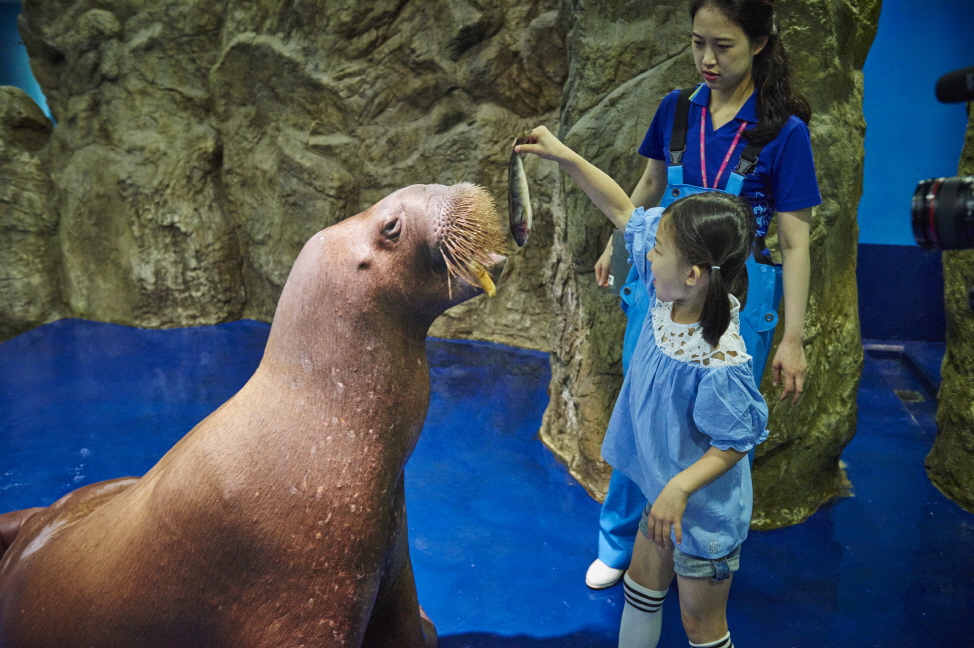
473,242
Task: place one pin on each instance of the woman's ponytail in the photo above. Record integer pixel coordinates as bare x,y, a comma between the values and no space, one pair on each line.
776,98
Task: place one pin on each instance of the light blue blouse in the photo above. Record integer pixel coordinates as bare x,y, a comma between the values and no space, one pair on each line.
670,411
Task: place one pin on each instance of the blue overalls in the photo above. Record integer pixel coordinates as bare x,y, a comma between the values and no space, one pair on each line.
624,501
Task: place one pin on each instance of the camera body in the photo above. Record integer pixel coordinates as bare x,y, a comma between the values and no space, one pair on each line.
942,213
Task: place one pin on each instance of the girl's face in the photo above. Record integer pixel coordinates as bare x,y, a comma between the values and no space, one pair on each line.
670,272
722,51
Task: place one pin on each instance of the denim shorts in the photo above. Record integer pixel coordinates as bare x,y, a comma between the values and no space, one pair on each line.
693,567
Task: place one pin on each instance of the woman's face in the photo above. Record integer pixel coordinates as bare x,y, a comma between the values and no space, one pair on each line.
722,51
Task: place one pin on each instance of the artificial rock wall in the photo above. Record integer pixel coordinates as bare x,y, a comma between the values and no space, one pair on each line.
950,463
30,257
198,145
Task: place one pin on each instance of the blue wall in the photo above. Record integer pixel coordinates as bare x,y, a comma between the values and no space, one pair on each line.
910,136
14,64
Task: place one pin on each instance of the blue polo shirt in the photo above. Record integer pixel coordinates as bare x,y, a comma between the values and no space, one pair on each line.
784,179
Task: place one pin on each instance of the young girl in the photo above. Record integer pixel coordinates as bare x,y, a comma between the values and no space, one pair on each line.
745,106
689,410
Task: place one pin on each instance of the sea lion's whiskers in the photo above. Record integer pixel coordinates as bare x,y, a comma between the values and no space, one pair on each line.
472,234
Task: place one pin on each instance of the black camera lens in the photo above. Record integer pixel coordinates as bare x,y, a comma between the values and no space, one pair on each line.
943,213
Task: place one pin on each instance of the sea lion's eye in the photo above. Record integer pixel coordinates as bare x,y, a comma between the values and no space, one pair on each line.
392,230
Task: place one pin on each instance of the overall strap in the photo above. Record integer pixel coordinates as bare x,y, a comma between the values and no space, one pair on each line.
678,146
749,158
678,136
747,164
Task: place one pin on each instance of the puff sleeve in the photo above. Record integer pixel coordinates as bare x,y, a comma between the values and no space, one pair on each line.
641,237
730,410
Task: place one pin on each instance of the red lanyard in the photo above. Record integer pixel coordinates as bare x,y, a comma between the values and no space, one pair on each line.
703,153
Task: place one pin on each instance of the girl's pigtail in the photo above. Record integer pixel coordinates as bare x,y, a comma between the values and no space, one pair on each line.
715,231
715,317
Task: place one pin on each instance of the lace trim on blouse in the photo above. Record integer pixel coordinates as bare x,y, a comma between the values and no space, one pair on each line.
684,342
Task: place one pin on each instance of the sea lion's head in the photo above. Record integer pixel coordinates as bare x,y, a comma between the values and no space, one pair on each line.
439,245
412,255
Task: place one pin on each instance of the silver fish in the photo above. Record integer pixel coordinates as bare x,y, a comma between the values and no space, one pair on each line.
518,197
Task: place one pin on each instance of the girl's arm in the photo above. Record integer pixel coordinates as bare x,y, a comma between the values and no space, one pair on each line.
607,195
789,364
668,508
648,193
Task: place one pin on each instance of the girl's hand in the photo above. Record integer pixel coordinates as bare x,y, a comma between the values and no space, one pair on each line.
667,511
543,143
602,190
602,266
789,367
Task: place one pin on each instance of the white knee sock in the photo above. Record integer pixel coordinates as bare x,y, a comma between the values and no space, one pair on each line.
725,642
642,617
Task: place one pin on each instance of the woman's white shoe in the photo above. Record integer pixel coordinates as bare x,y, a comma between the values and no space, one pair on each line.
601,576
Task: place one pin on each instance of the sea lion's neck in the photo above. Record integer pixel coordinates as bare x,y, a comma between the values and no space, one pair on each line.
345,372
342,341
358,375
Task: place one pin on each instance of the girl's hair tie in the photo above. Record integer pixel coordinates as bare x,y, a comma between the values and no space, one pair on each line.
715,267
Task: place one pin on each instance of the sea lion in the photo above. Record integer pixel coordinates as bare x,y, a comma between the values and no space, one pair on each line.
279,520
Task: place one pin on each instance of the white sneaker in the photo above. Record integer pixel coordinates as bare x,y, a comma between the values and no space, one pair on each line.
600,576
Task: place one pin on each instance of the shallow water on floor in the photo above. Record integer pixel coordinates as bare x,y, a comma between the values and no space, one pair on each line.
501,535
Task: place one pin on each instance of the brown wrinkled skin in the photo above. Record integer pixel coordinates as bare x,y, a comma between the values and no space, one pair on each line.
280,519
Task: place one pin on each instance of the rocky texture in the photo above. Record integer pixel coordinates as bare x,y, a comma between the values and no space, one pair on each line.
616,83
30,279
950,463
799,468
618,77
199,144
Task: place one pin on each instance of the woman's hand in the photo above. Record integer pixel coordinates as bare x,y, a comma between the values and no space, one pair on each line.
602,266
789,362
667,511
789,367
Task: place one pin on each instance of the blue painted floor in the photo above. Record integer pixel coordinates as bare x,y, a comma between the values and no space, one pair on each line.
501,535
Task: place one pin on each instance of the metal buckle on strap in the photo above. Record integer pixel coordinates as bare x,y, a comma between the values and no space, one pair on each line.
745,166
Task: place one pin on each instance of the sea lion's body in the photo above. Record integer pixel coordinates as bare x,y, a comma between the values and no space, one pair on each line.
279,520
